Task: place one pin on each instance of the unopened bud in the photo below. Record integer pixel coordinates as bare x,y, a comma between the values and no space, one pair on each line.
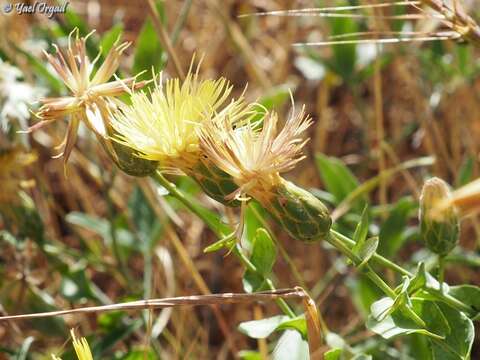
215,182
300,213
439,222
126,158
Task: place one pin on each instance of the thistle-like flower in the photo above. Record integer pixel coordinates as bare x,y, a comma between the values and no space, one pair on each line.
81,347
164,126
255,158
92,95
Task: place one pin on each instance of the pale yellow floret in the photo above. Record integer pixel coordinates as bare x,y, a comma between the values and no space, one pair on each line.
255,158
163,126
92,95
81,347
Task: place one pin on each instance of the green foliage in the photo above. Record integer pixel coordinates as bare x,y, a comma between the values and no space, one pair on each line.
149,54
338,179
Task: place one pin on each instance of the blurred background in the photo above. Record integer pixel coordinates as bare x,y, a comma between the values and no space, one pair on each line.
90,235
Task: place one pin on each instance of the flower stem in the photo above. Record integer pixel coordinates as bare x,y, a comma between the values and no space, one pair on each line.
446,298
237,250
371,274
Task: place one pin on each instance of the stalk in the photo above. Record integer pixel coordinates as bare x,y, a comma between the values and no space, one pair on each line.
371,274
172,189
446,298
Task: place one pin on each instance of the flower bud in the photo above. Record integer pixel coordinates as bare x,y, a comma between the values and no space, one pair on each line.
126,158
215,182
300,213
439,223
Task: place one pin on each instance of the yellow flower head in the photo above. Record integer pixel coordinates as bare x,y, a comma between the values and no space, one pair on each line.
91,97
255,158
163,126
81,348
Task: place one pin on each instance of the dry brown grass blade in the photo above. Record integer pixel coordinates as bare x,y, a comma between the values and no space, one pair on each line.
194,300
459,20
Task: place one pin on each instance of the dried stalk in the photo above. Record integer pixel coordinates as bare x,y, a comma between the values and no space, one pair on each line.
457,19
196,300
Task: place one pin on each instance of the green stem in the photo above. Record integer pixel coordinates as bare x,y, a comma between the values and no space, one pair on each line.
237,250
441,271
377,258
446,298
371,274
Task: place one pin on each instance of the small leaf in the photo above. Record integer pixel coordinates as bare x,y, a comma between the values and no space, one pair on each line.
361,231
249,355
333,354
337,177
419,281
110,37
264,252
458,342
381,309
260,329
291,346
298,323
253,282
226,242
149,53
468,294
465,172
367,250
398,324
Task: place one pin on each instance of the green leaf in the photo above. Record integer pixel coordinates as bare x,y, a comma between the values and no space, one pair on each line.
249,355
76,286
367,250
465,172
264,252
251,224
420,347
458,342
225,242
398,324
364,293
380,309
260,329
275,96
333,354
253,282
394,229
291,346
149,53
140,354
419,281
298,323
361,231
337,177
97,225
142,214
468,294
344,56
110,37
